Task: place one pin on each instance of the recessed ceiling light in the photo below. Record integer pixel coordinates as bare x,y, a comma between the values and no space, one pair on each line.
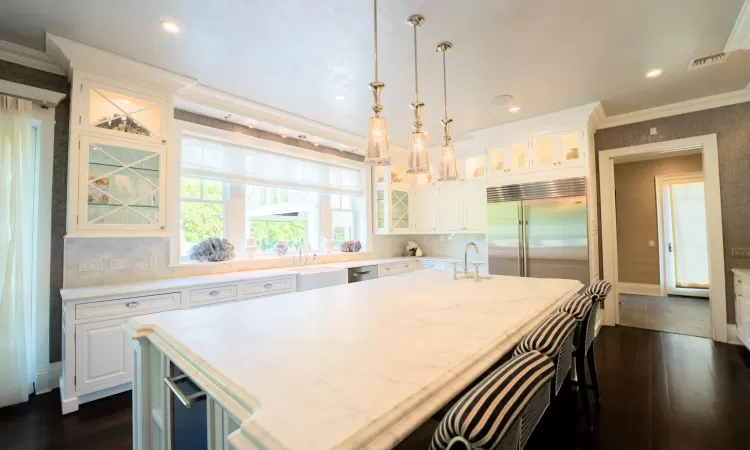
340,97
514,109
501,100
169,26
653,73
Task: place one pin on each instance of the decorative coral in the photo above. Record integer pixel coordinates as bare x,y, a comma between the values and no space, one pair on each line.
212,249
351,246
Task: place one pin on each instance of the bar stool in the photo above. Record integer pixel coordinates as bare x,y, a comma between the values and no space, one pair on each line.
584,312
598,291
554,339
502,410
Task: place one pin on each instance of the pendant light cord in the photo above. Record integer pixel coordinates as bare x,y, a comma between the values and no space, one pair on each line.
445,88
416,74
375,16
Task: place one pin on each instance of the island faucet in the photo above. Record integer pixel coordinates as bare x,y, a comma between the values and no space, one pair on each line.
466,257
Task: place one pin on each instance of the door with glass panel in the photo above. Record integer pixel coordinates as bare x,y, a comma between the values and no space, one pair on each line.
685,235
121,185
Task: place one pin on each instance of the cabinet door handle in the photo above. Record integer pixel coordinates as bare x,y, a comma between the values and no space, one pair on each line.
214,293
186,400
131,304
268,286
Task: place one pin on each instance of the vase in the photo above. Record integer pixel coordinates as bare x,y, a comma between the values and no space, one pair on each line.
281,248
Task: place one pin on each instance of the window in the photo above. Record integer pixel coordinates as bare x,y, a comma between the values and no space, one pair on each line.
203,205
238,192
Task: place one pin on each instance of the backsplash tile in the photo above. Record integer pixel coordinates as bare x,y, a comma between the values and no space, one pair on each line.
437,245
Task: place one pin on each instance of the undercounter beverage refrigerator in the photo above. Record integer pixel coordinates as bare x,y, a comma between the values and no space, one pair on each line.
539,230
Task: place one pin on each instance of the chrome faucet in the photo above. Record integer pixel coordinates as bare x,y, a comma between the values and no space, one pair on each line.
466,257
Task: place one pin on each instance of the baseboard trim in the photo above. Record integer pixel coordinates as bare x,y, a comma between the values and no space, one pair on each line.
732,335
639,289
48,378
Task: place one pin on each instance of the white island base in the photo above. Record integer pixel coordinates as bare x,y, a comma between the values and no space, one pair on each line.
357,366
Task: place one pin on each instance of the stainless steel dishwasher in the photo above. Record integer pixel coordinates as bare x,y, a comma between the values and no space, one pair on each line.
357,274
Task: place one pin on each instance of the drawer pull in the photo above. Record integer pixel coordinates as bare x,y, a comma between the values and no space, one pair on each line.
131,304
387,269
186,400
268,286
214,293
407,266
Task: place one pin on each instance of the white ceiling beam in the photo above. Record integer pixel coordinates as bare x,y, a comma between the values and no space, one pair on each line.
18,54
739,39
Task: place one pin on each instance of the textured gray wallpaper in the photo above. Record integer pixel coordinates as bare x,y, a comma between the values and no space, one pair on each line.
731,124
57,83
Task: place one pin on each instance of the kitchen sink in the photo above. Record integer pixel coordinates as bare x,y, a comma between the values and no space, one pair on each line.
316,277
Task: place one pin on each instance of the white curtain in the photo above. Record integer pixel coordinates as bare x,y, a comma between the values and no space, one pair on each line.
17,157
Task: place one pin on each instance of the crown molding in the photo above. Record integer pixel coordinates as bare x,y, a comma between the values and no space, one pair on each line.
18,54
35,94
75,56
198,96
698,104
739,39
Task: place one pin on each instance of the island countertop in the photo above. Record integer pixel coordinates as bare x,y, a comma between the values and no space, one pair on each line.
351,366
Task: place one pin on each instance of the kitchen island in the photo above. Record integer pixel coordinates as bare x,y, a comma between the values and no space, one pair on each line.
346,367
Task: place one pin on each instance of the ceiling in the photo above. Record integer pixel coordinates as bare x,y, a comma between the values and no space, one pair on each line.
298,55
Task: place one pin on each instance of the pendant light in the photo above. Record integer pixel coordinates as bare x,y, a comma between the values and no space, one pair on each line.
448,166
378,152
418,156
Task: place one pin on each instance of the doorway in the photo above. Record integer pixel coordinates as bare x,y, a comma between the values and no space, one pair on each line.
707,147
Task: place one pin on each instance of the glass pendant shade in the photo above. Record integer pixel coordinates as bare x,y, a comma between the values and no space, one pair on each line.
418,156
448,166
378,152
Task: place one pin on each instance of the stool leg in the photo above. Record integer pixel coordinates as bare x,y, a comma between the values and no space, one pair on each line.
582,389
592,373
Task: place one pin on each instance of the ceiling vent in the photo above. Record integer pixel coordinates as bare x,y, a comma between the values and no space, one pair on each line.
711,60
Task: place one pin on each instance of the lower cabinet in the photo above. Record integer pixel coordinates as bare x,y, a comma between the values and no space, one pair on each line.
104,355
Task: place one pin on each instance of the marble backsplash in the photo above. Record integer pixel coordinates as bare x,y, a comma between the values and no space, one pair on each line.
94,261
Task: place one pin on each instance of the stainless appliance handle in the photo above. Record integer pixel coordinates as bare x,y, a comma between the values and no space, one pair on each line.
362,273
520,239
186,400
525,241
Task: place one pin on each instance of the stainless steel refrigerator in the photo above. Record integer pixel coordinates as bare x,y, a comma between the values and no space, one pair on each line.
539,230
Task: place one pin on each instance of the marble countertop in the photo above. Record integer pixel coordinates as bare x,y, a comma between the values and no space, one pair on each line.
70,294
351,366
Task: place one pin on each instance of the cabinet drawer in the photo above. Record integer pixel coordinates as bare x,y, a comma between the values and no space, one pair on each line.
212,294
434,265
132,306
398,268
256,288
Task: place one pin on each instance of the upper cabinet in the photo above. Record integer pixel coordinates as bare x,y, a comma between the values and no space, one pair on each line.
536,152
507,157
111,111
118,160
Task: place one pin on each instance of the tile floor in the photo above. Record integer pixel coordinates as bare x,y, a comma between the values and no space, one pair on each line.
682,315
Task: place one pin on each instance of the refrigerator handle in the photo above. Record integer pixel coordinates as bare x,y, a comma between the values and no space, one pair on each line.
525,241
521,256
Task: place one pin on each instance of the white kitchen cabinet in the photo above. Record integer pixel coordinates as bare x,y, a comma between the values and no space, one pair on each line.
556,149
462,207
423,209
742,305
451,212
476,206
392,209
104,355
97,353
508,157
397,268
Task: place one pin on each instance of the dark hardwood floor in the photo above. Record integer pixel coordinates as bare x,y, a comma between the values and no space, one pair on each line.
659,391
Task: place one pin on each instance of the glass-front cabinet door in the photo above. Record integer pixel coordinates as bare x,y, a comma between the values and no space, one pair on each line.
507,157
546,150
571,146
399,209
107,109
121,185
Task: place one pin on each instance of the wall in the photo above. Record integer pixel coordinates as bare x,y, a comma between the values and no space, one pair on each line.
57,83
731,124
637,221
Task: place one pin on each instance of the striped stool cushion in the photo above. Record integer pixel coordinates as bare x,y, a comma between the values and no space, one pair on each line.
578,307
485,414
598,291
548,336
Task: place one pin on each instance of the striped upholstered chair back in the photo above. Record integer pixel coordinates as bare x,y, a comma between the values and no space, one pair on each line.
598,291
554,339
501,411
580,308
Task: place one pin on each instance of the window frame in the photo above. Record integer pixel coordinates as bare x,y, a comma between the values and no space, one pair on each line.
363,226
224,201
